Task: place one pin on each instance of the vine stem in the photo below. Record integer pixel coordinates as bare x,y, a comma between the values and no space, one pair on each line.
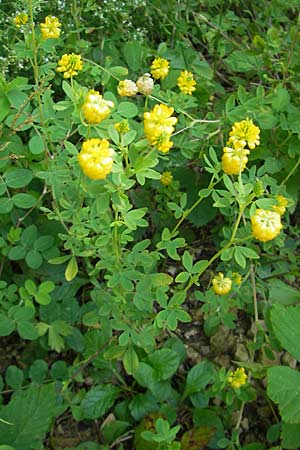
101,67
197,202
290,173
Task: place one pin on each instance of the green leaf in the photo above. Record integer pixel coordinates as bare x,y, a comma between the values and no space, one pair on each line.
239,257
280,292
4,106
182,277
36,145
133,219
6,205
98,400
165,362
29,236
284,389
130,360
24,201
27,330
42,298
34,259
30,411
46,287
240,61
7,325
16,253
118,71
134,53
290,436
127,109
38,370
71,269
30,287
198,377
285,323
14,377
187,261
18,178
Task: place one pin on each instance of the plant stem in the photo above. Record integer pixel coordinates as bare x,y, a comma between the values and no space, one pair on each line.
290,173
197,202
101,67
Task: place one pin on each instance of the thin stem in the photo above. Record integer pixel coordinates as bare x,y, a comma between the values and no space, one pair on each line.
290,173
254,292
116,244
101,67
188,211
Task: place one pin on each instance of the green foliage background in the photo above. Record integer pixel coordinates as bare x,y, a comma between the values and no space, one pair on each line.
102,281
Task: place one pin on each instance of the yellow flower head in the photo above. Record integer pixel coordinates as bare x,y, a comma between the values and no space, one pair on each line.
237,277
69,65
166,178
163,143
95,108
127,88
145,84
95,158
237,378
221,285
245,132
282,202
159,125
20,19
234,159
266,225
186,82
160,68
122,127
50,28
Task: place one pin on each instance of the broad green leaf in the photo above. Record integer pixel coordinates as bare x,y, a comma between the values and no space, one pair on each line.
29,236
198,377
280,292
34,259
98,400
18,178
134,53
285,322
14,377
165,362
7,325
142,404
6,205
16,253
36,145
27,330
24,201
290,436
284,389
38,370
240,61
127,109
30,411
